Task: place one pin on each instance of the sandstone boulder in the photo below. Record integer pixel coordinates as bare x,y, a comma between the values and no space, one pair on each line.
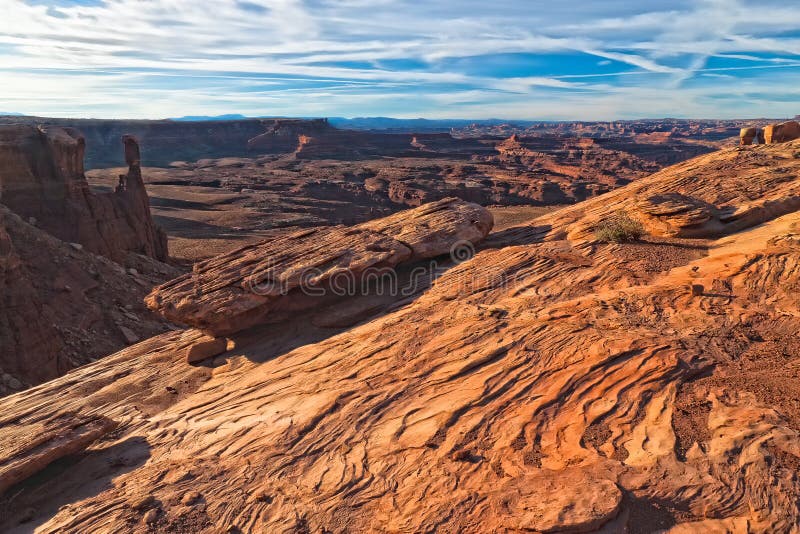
747,135
677,215
782,132
268,281
206,347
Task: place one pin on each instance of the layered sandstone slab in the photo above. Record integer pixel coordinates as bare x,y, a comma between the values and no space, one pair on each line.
275,278
705,197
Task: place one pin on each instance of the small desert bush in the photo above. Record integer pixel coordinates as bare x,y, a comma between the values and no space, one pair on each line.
619,228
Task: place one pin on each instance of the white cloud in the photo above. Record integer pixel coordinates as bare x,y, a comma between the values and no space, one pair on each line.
156,58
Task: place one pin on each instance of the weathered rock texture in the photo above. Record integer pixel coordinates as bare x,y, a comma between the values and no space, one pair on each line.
42,180
269,280
27,449
551,383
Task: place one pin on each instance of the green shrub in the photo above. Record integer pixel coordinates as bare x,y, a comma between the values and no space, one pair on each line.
619,228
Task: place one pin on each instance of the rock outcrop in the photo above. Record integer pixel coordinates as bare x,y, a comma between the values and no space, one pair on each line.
42,179
550,383
27,449
782,132
269,281
771,133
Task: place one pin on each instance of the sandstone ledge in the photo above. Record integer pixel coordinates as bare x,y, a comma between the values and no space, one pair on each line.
270,280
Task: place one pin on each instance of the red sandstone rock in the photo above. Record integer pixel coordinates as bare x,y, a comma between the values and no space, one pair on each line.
549,384
206,347
28,449
62,306
747,135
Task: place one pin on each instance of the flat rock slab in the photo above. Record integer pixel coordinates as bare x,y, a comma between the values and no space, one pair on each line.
266,281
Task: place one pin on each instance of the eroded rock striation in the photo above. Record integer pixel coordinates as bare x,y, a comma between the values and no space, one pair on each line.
276,278
42,179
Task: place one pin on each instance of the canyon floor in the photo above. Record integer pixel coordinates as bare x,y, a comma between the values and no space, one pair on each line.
549,382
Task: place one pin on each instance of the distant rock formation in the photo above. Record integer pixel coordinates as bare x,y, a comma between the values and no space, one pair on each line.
281,136
351,144
167,141
772,133
263,282
782,132
42,179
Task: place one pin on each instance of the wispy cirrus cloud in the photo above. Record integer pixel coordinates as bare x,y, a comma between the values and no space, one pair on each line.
467,58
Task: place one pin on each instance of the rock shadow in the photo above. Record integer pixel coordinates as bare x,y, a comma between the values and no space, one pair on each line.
334,314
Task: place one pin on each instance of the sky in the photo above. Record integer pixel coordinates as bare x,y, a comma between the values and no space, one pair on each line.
523,59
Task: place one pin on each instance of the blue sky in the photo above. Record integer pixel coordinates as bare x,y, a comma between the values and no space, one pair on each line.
524,59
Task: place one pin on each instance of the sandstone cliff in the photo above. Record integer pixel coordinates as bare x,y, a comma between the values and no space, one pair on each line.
551,383
61,305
